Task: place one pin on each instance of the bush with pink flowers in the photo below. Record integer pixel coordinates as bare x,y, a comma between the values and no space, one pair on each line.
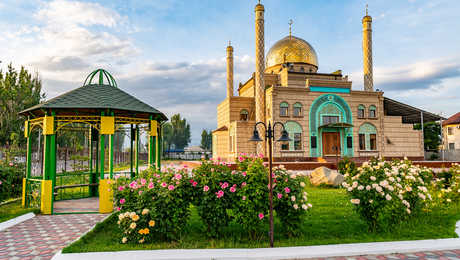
219,194
165,194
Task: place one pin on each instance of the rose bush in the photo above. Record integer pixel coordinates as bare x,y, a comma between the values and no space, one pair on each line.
220,195
136,226
386,193
446,187
166,194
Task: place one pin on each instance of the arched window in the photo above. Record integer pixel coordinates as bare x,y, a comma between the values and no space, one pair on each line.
244,115
294,130
297,109
302,69
284,109
367,137
372,111
361,110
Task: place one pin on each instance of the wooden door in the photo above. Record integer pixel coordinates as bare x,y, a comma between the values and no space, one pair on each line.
331,143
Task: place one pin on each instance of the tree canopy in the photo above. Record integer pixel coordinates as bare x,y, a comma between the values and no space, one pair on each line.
206,139
432,135
176,133
18,90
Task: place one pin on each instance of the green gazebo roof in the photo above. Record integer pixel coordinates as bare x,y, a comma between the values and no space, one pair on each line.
93,98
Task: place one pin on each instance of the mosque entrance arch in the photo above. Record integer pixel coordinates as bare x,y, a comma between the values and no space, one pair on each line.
331,129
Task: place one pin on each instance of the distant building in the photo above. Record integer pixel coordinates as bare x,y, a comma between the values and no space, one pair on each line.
451,132
323,115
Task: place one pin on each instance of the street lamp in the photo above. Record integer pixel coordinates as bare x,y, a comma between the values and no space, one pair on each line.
270,136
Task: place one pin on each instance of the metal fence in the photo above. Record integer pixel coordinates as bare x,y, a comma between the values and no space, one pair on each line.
443,155
179,155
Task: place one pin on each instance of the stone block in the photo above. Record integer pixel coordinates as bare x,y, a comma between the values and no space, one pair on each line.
324,175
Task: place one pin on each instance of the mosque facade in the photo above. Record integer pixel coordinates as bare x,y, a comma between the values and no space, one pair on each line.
323,115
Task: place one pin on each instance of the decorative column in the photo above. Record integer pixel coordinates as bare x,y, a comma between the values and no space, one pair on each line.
260,69
49,165
105,188
131,152
367,53
158,149
152,135
92,175
229,70
28,161
137,150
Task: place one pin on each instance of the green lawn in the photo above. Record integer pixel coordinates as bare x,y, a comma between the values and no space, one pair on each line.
331,221
14,209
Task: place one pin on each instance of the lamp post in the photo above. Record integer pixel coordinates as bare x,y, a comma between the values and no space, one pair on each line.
270,137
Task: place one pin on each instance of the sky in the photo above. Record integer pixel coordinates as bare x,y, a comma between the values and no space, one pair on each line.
171,54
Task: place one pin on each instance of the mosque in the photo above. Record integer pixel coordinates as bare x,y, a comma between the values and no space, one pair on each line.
323,115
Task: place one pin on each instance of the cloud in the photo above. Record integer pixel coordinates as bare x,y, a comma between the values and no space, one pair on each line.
418,75
65,13
65,63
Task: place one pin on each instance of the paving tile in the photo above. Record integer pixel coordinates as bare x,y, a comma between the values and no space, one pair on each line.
42,236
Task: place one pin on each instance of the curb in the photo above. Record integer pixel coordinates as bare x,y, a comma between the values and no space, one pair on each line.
16,220
276,253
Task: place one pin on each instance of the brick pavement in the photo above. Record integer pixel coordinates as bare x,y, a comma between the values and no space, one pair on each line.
44,235
442,255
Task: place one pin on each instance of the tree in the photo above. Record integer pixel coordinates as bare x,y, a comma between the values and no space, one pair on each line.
176,133
206,140
431,134
18,91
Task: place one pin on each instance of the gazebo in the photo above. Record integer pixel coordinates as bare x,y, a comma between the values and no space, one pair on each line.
100,108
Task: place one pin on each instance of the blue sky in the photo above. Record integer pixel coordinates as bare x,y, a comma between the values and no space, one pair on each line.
171,54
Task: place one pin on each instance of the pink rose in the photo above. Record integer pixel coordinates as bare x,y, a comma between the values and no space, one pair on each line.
243,184
205,188
170,187
143,181
232,189
225,185
194,183
261,216
287,190
140,192
178,176
244,174
118,208
122,201
164,184
220,193
133,185
244,198
279,195
121,188
150,186
240,159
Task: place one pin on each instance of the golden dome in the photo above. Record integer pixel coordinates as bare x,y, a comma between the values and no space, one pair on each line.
291,49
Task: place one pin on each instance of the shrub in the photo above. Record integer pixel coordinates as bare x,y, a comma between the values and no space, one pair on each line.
214,193
166,194
11,175
346,165
290,200
137,227
446,187
386,193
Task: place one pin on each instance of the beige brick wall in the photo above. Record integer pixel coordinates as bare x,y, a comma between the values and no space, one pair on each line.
220,144
401,139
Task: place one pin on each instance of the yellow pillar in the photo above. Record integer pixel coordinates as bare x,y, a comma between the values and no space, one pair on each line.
46,206
105,196
24,184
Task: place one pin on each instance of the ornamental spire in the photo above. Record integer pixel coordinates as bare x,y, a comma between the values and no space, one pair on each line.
290,28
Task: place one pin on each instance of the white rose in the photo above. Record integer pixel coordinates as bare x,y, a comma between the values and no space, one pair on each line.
360,187
373,178
302,184
295,206
388,197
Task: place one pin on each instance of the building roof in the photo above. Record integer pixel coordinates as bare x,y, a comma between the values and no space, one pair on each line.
455,119
96,97
409,114
222,128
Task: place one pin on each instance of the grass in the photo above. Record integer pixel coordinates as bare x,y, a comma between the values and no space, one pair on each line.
332,220
14,209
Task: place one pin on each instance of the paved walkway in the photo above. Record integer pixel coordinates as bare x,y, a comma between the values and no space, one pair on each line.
44,235
78,205
443,255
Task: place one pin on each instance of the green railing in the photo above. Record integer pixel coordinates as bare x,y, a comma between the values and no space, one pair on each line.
74,185
33,193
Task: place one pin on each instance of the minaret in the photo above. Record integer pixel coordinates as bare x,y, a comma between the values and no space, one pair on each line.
229,70
260,69
367,53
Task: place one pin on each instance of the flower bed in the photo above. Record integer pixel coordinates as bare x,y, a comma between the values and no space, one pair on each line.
219,194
